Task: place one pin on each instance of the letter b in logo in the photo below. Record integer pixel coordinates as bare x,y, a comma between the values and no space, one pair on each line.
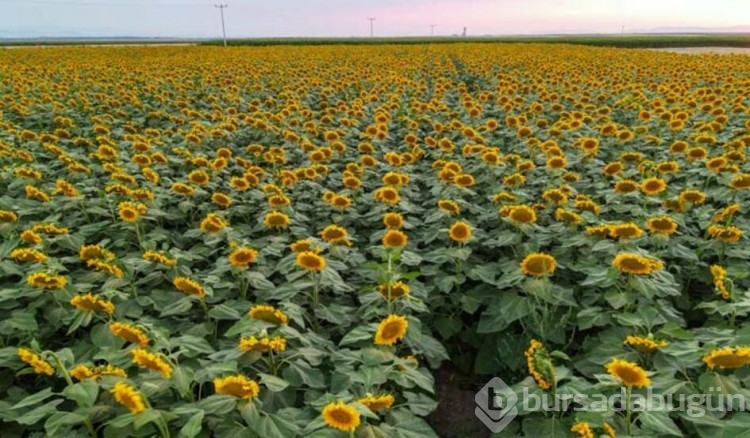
496,405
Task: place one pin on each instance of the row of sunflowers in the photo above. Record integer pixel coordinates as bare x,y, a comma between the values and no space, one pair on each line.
289,241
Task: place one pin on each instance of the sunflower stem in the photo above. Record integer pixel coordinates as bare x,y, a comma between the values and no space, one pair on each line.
628,411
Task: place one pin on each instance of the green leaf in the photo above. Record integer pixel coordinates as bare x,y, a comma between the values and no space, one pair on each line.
193,426
218,404
33,399
61,420
273,383
37,414
83,393
658,422
420,404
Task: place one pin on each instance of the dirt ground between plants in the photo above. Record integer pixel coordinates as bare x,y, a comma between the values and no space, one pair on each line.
454,416
700,50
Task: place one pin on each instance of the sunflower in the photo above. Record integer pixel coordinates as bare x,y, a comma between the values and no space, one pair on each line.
661,225
339,416
741,181
626,186
719,275
8,216
538,265
394,290
310,261
630,263
129,397
129,333
28,255
519,214
697,153
189,286
212,223
91,303
728,234
128,212
221,199
156,257
692,196
393,221
503,196
726,213
613,168
567,216
395,239
391,330
717,164
242,257
263,345
275,220
335,235
556,163
555,196
34,360
460,232
448,206
199,177
625,231
377,403
387,195
45,281
539,364
182,189
653,186
31,237
237,386
301,245
268,314
83,372
628,373
728,357
668,167
590,146
145,359
644,344
463,180
514,180
582,429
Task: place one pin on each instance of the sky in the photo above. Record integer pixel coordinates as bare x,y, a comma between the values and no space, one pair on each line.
346,18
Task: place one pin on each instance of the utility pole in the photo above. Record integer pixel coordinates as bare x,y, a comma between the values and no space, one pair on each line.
432,30
223,28
372,20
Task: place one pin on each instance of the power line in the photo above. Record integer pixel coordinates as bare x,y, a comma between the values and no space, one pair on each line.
372,20
221,8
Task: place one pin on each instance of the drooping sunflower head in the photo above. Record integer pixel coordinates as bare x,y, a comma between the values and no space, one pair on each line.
538,265
630,263
644,344
448,206
268,314
625,231
728,357
539,364
628,373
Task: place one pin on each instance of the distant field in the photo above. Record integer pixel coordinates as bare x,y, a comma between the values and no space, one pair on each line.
627,41
32,42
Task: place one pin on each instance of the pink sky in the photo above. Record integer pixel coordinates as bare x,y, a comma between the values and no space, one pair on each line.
344,18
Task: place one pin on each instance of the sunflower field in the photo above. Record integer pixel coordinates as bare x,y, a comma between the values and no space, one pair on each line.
290,241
